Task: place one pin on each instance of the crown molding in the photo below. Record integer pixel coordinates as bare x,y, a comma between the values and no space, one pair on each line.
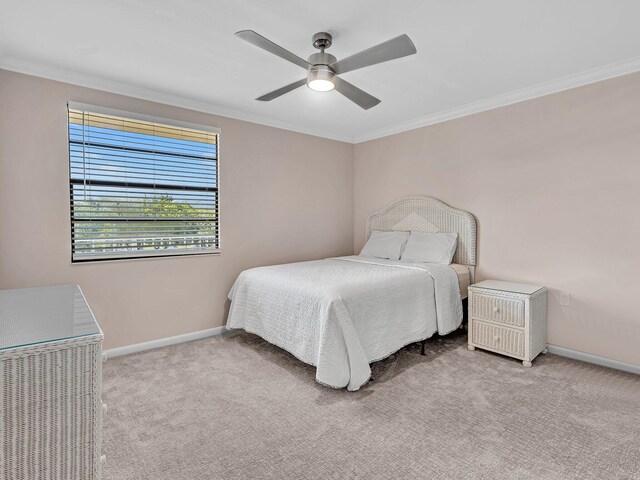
74,77
528,93
122,88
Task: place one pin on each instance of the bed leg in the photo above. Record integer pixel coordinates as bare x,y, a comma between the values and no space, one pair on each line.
465,312
423,347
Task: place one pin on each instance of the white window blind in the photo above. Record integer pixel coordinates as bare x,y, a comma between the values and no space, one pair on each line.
141,187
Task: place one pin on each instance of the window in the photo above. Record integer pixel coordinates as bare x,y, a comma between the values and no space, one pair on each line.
140,186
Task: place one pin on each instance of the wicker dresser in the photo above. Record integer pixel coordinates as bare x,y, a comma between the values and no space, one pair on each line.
50,374
508,318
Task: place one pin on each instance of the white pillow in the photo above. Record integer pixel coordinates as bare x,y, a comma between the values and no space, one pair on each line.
385,245
430,247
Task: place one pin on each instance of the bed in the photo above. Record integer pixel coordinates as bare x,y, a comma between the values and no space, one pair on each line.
342,314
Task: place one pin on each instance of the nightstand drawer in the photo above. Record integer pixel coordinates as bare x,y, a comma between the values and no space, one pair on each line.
498,309
495,337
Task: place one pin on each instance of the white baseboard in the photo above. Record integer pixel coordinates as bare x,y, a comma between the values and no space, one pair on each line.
162,342
187,337
595,359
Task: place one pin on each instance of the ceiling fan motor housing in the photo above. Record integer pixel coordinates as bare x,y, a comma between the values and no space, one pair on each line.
322,59
322,73
320,67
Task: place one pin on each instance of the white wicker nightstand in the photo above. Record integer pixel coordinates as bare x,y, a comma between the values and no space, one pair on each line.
50,385
508,318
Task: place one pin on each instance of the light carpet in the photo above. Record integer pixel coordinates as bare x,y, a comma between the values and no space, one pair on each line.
236,407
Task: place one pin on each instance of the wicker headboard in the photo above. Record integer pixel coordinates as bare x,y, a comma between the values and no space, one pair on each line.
427,214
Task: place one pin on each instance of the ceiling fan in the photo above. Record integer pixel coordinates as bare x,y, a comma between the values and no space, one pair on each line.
323,68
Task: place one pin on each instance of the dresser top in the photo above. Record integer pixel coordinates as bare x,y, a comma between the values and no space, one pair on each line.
523,288
30,316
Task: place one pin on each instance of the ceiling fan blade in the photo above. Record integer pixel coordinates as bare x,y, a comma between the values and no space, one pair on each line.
390,50
266,44
281,91
353,93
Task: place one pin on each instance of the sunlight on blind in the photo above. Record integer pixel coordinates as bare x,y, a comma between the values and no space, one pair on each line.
139,126
141,188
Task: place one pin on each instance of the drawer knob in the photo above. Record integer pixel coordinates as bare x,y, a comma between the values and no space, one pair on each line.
103,459
495,309
104,408
496,338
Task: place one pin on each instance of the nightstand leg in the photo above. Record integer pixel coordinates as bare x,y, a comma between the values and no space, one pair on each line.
526,363
471,347
545,351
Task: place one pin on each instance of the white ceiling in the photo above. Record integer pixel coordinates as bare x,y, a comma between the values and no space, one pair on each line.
472,55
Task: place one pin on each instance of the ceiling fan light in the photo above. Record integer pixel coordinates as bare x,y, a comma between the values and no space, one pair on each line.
320,78
321,85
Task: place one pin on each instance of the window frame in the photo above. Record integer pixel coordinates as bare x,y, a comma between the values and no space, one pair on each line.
145,118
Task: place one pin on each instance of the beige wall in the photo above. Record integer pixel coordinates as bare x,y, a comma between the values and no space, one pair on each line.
285,197
555,186
554,183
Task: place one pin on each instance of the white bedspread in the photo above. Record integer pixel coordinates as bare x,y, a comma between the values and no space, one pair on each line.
340,314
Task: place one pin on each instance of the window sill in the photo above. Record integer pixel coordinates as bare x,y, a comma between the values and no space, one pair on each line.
128,258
